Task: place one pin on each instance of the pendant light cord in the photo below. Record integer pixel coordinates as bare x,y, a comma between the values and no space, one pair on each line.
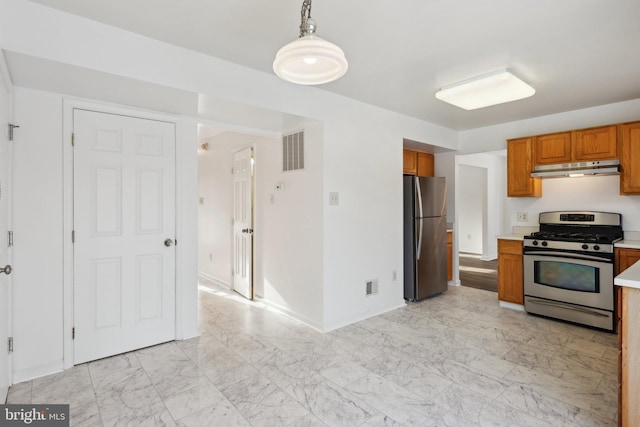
307,25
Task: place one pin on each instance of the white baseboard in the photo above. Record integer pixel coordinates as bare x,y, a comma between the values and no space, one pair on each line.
21,375
489,257
362,316
3,394
454,283
214,279
511,306
286,312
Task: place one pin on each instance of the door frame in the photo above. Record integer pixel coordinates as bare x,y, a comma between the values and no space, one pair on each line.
7,86
69,105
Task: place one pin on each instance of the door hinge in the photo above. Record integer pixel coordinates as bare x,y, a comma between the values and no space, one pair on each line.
73,333
9,239
12,127
73,139
10,344
73,236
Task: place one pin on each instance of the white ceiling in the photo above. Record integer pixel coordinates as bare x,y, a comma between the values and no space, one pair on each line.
575,53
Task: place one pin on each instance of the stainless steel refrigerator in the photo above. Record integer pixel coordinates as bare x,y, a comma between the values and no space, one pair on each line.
425,237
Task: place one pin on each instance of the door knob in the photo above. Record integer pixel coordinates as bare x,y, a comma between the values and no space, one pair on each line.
6,270
168,242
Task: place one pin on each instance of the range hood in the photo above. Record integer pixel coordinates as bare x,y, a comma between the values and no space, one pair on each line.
602,167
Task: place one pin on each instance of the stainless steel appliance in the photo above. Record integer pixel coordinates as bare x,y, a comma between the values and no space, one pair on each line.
568,267
425,237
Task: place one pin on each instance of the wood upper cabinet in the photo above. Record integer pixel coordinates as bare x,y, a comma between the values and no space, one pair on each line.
409,162
595,144
553,148
519,167
418,163
510,271
629,134
425,164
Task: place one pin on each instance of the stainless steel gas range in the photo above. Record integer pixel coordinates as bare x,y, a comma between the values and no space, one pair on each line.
568,267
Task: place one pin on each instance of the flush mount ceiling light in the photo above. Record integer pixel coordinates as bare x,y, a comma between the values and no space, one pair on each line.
310,60
486,90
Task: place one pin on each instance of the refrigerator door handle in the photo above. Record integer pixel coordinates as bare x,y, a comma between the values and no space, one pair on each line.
419,191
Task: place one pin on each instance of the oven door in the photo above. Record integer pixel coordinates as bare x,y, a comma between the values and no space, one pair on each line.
572,278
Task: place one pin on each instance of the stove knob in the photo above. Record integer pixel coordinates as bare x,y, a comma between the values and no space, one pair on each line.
535,243
596,248
585,247
544,243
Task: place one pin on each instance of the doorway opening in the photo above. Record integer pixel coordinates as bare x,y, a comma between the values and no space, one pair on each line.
220,233
481,192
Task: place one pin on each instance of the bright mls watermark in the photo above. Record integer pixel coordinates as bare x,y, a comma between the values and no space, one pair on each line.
34,415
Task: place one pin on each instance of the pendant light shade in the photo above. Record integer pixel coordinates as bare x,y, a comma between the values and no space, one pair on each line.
310,60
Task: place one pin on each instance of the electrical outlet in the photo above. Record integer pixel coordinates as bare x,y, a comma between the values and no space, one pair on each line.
202,200
210,257
522,217
334,199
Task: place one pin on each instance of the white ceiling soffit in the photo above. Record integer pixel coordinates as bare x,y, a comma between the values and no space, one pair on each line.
42,74
575,53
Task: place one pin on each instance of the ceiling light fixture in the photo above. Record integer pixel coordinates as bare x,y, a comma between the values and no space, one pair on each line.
494,88
310,60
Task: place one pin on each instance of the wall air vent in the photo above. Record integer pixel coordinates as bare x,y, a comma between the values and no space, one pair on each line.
293,151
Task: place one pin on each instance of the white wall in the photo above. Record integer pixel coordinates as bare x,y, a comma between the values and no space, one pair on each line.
38,259
38,251
293,248
600,193
472,190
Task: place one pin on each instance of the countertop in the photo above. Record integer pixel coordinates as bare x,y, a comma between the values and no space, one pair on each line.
630,244
630,277
513,236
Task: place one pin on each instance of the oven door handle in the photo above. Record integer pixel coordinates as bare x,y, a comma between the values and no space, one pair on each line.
569,255
561,305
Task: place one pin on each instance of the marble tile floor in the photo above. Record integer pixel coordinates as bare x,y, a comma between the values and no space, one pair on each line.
453,360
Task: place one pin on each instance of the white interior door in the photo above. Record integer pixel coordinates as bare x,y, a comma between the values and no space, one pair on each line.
5,156
243,222
124,226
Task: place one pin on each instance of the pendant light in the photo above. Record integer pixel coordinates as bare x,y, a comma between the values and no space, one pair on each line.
310,60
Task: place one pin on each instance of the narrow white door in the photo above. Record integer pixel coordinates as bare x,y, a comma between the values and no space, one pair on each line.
124,227
5,156
243,222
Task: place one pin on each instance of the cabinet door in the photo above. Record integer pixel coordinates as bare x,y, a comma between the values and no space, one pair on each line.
553,148
425,164
519,166
410,162
630,158
625,258
595,144
510,271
